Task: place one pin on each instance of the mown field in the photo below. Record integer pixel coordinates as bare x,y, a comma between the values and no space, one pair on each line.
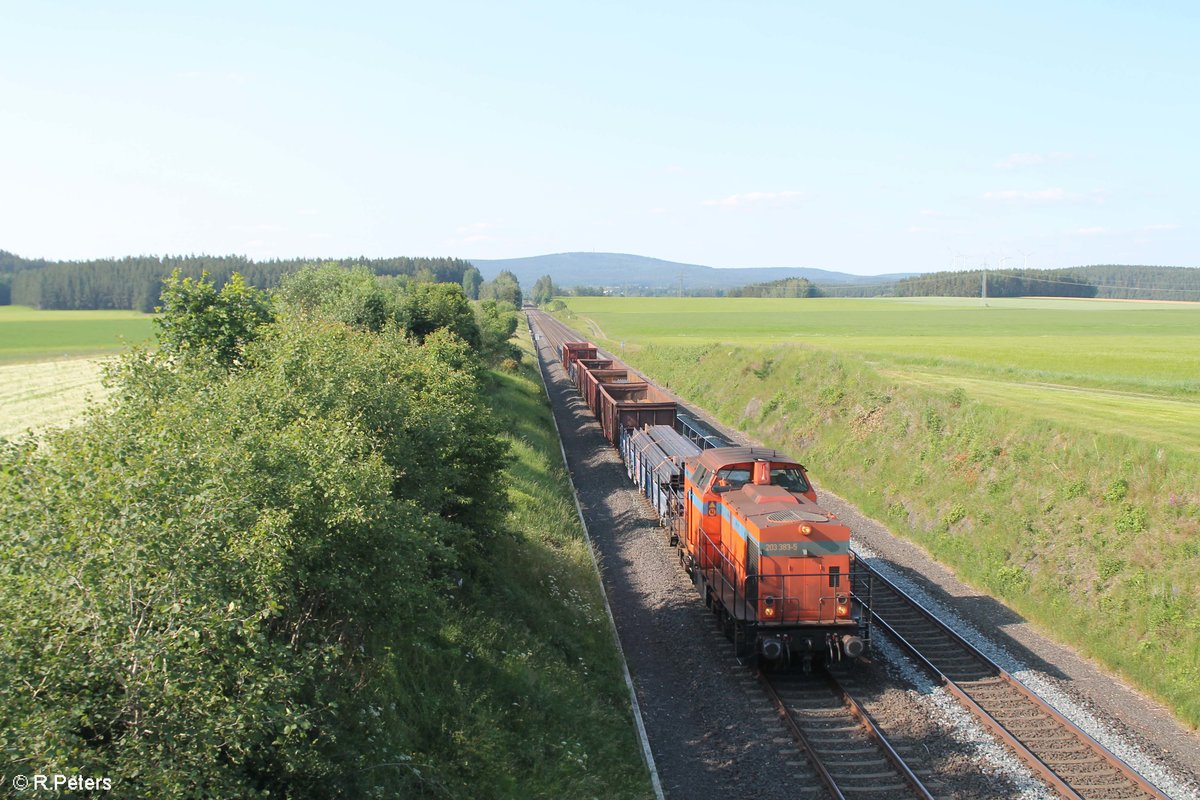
28,334
1045,450
47,393
51,362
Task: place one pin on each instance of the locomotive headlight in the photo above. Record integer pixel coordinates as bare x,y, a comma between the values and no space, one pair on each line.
806,529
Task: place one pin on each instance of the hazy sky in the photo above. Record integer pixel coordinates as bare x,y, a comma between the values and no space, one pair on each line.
896,136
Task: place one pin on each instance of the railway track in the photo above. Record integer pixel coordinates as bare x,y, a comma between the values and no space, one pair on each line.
1071,762
846,748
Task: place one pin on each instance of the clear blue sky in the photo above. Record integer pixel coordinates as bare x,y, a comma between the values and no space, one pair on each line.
891,137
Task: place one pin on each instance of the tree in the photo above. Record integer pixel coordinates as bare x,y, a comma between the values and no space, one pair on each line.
197,319
213,586
353,296
428,307
497,324
505,288
544,290
471,282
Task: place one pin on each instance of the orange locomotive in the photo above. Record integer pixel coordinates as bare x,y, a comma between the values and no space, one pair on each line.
772,564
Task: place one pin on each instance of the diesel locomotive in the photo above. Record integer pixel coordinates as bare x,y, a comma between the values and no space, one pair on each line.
773,565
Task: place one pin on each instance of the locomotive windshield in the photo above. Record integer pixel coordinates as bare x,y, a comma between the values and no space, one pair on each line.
736,476
789,478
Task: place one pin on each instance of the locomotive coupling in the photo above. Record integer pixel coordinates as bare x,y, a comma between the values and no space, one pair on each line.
852,646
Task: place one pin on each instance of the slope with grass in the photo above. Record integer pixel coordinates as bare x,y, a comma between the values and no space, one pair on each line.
1088,528
542,706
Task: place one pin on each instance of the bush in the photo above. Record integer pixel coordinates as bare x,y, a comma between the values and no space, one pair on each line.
206,590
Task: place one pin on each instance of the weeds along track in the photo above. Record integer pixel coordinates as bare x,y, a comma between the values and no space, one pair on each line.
1074,764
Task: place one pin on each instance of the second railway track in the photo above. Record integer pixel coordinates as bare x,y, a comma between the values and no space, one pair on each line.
1074,764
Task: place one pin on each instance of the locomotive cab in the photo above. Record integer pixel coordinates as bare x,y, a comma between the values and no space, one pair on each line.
773,564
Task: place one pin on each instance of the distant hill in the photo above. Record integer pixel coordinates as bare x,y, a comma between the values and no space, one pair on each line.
623,271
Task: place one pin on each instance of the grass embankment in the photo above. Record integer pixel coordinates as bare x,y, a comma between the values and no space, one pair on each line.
1093,536
28,334
543,708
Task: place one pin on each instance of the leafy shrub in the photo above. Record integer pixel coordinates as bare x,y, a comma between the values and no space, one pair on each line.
1131,519
196,319
1117,490
206,589
933,422
1073,489
831,395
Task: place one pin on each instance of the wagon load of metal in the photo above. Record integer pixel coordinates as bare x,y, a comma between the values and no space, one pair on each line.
631,405
654,460
696,431
590,381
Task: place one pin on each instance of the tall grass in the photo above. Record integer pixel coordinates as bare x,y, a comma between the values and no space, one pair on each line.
541,707
1093,536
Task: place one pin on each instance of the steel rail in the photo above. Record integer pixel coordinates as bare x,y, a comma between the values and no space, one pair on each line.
873,730
810,752
886,753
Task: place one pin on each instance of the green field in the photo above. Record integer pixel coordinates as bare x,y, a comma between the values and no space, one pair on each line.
1101,365
50,362
27,334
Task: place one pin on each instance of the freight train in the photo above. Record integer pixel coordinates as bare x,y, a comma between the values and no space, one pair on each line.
773,565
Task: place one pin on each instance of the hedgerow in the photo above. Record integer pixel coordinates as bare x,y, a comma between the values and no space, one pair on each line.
209,587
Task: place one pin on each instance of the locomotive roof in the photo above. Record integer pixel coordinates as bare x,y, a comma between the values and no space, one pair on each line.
718,457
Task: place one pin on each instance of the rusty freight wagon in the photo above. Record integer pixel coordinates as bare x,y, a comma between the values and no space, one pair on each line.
575,350
590,381
631,405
